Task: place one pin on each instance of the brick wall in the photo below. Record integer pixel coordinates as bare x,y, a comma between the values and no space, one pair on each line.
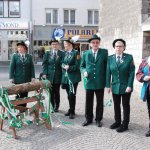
123,19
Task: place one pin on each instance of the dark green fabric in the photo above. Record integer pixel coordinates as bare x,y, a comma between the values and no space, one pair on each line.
73,60
52,66
20,71
96,69
122,75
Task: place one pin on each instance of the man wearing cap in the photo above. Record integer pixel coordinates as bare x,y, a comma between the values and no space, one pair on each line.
119,81
21,68
53,72
71,74
93,68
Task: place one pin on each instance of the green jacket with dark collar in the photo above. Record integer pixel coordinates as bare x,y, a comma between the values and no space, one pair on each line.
21,71
96,69
52,66
73,60
121,76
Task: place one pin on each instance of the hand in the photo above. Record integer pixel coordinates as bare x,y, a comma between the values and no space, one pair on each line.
146,78
33,80
11,81
85,74
44,76
108,90
128,90
66,67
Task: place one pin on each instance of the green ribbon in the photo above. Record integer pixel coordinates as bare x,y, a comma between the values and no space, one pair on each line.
84,82
14,121
19,122
108,103
71,88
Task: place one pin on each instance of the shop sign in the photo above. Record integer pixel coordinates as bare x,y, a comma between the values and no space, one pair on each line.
13,25
84,33
58,33
65,33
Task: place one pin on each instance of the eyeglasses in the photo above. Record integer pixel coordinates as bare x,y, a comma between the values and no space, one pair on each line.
95,42
54,44
119,46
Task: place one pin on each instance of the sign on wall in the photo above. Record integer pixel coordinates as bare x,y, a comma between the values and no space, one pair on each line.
13,25
65,33
84,33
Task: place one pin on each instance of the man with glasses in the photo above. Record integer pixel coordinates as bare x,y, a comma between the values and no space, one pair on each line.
119,80
93,68
53,72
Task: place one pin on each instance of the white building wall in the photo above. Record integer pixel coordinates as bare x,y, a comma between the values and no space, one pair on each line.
81,7
8,27
25,12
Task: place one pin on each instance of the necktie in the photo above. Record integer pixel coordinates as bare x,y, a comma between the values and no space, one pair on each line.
118,59
94,55
23,58
55,56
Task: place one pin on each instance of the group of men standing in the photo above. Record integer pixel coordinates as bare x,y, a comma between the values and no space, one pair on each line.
92,67
64,68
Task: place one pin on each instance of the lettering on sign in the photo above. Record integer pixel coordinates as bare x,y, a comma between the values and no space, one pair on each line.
13,25
84,33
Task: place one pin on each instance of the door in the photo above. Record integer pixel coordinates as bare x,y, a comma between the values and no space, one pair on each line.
84,46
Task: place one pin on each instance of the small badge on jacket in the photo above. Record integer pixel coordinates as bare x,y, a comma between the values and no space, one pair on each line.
78,57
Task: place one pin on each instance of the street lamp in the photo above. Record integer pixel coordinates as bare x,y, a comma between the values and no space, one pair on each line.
30,38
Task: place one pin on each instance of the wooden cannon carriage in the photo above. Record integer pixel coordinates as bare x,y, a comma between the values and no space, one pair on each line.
42,104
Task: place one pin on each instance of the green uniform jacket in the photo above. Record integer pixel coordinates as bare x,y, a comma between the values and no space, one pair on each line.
122,75
73,60
96,69
21,72
52,67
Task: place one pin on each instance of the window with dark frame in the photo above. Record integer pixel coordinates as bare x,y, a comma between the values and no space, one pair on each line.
51,16
10,9
1,8
69,16
93,17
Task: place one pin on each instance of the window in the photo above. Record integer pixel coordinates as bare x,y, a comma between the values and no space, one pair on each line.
10,8
1,8
14,8
69,16
51,16
93,17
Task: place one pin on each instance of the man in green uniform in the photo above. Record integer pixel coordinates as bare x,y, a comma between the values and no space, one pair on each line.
21,68
71,74
52,71
119,80
93,68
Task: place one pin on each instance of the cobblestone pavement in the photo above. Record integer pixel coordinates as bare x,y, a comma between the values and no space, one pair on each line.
75,137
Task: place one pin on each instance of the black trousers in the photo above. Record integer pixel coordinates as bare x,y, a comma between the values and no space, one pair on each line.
148,103
89,104
126,108
55,95
22,95
72,98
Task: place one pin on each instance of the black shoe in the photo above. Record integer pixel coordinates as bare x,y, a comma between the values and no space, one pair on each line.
86,123
122,128
147,133
67,114
115,125
56,109
71,116
99,124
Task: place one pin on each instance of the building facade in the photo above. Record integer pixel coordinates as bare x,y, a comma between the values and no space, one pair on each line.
39,21
128,20
64,19
14,25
